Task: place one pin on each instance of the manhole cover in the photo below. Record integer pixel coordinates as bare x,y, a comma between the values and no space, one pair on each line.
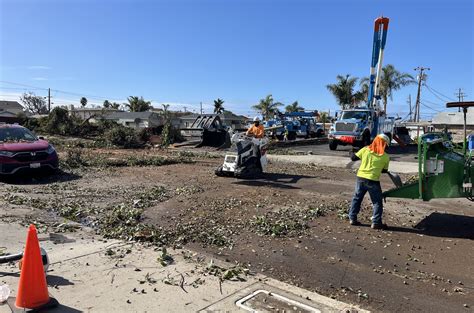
266,301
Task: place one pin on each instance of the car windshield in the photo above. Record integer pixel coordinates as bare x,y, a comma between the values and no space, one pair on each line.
358,115
16,134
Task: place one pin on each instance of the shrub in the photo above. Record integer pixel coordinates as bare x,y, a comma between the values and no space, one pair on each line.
145,134
122,136
60,123
170,134
73,159
30,123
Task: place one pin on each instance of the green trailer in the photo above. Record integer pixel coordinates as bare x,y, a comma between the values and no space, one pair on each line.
443,170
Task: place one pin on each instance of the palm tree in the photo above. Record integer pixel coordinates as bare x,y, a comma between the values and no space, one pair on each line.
294,107
115,105
165,109
83,102
344,92
364,88
218,106
324,118
267,107
390,80
136,104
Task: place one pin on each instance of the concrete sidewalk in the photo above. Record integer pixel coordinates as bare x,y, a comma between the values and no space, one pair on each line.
88,274
341,162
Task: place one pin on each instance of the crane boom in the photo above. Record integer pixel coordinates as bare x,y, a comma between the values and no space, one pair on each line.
380,38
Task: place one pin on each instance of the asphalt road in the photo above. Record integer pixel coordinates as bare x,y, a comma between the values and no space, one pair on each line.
397,153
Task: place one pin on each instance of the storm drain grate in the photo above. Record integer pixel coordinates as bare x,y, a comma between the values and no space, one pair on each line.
266,301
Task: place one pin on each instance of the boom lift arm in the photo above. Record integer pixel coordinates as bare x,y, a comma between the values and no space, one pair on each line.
380,38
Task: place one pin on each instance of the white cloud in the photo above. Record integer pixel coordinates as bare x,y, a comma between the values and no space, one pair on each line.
39,78
38,67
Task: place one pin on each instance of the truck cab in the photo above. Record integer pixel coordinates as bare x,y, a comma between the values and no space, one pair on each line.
352,127
358,127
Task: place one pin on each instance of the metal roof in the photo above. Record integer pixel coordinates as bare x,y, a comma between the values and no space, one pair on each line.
5,105
129,115
453,118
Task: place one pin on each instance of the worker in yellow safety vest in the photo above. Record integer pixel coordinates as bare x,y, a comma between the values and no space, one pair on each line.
374,161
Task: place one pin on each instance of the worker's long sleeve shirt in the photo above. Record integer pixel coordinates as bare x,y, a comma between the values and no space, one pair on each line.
256,131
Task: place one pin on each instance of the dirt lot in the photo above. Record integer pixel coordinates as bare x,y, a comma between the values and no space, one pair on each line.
291,225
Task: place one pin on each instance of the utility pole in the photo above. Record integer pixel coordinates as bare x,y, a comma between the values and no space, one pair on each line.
460,94
184,109
420,70
201,106
409,105
49,100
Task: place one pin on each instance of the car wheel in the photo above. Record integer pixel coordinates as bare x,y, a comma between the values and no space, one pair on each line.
219,171
332,145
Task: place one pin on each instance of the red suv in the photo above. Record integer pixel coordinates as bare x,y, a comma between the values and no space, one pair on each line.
20,149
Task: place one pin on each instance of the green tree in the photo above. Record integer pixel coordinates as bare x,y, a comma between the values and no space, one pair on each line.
218,106
136,104
83,102
107,104
115,105
60,123
390,80
294,107
343,91
364,88
267,107
33,103
324,117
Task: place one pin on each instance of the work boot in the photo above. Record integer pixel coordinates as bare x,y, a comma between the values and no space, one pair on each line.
379,226
355,222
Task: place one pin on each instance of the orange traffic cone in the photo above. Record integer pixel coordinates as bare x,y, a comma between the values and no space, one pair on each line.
32,289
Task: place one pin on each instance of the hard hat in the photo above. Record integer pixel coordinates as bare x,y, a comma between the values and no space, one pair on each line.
256,119
385,138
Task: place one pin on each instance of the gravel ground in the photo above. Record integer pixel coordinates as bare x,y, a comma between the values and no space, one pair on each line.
290,225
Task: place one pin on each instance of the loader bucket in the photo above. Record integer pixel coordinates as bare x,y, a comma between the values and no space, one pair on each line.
215,138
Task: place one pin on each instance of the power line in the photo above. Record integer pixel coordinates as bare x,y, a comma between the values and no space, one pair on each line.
433,103
24,85
434,94
439,93
19,88
62,91
428,107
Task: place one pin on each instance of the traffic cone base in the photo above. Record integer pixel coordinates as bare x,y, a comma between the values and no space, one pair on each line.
32,289
52,303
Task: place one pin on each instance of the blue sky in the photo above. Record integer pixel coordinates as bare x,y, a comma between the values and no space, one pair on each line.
186,51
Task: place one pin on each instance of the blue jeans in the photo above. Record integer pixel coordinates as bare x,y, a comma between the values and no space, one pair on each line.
375,191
